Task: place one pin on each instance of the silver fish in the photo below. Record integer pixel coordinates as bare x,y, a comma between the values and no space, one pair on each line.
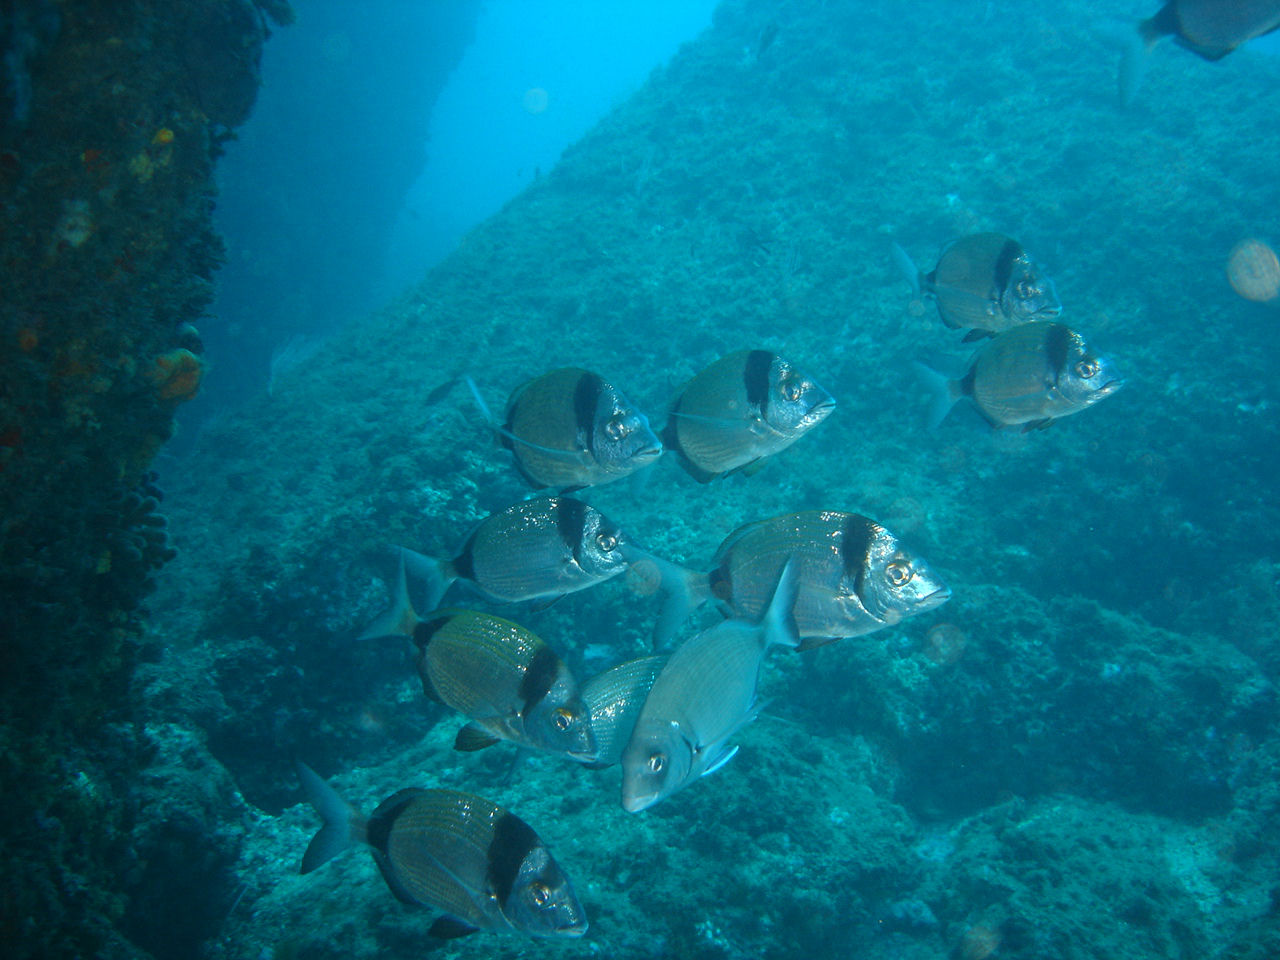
853,576
986,283
570,428
546,547
613,699
1028,376
704,694
741,409
485,868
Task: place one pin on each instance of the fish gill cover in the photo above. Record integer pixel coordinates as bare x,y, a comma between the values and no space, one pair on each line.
1075,756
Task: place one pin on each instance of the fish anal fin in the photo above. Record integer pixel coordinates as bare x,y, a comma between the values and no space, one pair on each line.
450,928
753,467
473,737
1042,424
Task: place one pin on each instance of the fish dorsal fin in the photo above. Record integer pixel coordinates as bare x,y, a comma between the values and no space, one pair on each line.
450,928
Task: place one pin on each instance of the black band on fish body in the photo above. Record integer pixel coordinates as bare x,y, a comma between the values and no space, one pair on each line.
513,840
538,678
1008,256
384,818
586,399
1057,343
720,580
426,629
856,537
966,384
464,565
571,521
756,377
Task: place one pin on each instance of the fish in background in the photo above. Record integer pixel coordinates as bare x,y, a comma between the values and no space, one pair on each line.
540,548
704,694
1028,376
853,577
570,429
1209,28
501,676
740,410
985,283
485,868
613,699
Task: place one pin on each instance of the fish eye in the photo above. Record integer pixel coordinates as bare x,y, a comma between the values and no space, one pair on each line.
657,763
617,428
541,893
563,718
607,542
899,573
792,390
1087,368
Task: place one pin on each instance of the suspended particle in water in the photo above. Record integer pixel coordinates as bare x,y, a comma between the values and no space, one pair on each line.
944,644
535,100
1254,271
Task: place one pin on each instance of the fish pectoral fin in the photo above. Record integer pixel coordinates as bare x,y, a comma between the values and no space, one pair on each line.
568,456
976,334
473,737
450,928
724,753
1037,424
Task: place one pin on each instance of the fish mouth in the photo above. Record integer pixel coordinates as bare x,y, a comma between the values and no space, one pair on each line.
937,598
636,804
645,454
577,930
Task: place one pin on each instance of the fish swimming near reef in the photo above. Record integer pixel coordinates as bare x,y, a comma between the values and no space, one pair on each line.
741,409
613,699
984,282
500,675
571,428
853,576
541,548
1028,376
704,694
1209,28
484,868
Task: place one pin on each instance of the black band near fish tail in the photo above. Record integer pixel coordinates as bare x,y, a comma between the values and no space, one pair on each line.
571,521
756,378
1057,344
384,818
586,400
856,537
1009,255
464,565
721,583
513,840
538,678
426,629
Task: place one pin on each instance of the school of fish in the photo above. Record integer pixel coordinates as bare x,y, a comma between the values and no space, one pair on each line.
783,584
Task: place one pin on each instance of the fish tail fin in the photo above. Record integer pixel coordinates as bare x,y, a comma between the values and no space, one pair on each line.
683,591
434,575
399,619
943,392
343,825
778,625
1137,48
907,267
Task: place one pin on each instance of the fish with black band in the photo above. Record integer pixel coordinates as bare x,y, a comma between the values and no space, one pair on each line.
1026,377
500,675
853,576
704,694
541,548
570,428
1209,28
984,283
483,867
741,409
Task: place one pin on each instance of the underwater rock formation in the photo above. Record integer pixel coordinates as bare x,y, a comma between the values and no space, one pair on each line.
110,122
